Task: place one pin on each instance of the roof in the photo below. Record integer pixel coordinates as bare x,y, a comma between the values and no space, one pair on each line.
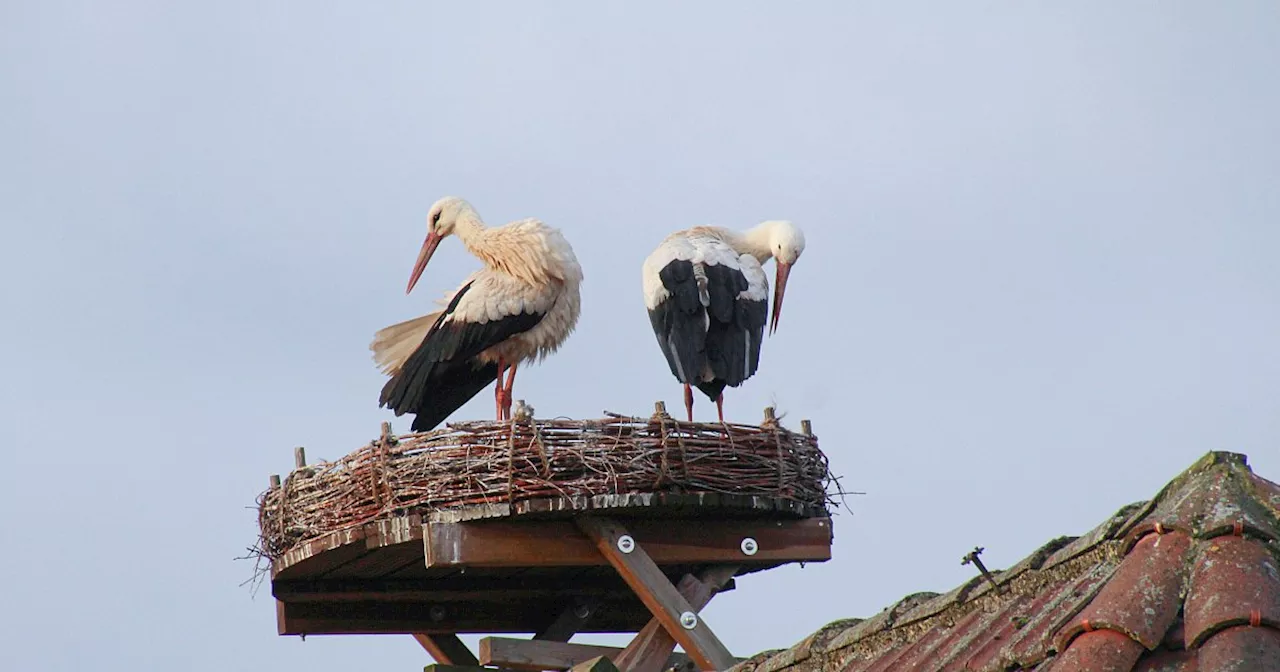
1186,581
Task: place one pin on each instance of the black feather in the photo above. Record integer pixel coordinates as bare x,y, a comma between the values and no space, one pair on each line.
725,335
442,374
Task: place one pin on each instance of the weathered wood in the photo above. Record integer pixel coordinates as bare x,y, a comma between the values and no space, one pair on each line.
274,481
652,647
570,621
460,588
559,544
601,664
488,616
806,428
662,599
534,655
437,667
299,457
446,649
690,505
320,555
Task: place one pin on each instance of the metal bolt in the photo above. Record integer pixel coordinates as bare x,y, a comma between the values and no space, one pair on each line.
582,611
688,620
436,613
749,546
626,544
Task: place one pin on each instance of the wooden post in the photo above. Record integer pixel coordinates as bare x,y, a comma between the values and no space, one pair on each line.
672,610
275,481
659,408
447,649
299,457
769,417
806,428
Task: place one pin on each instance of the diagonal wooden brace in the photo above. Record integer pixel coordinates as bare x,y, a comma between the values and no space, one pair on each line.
447,649
651,648
664,601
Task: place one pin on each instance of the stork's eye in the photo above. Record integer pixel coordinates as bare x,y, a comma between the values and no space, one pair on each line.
435,218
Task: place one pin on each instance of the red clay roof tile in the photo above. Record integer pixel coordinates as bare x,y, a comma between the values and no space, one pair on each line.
1033,642
990,655
912,653
976,625
1168,661
1143,597
974,649
1235,582
1242,649
1267,492
1119,598
1099,651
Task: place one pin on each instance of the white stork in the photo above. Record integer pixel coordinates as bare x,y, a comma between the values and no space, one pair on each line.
521,306
707,296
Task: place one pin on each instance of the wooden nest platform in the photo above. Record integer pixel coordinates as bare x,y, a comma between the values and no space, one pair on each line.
622,524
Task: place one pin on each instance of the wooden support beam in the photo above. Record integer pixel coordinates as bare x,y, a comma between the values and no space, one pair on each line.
458,589
446,649
536,655
569,622
650,649
437,667
675,613
487,616
601,664
529,543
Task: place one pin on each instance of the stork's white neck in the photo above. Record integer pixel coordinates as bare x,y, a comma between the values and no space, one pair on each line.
470,229
536,255
756,241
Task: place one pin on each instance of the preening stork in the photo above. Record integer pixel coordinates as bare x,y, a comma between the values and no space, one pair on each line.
520,307
707,296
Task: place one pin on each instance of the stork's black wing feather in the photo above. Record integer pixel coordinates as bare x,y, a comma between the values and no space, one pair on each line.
679,322
441,375
724,335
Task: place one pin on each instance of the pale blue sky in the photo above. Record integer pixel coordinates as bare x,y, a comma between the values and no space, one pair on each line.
1040,281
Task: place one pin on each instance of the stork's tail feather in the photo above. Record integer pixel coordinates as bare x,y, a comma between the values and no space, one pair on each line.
713,389
392,346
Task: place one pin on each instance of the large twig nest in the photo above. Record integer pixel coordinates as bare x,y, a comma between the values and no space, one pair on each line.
472,463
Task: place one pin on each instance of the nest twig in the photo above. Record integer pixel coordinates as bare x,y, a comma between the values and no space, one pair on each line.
508,462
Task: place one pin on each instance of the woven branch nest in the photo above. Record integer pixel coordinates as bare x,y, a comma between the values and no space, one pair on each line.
507,462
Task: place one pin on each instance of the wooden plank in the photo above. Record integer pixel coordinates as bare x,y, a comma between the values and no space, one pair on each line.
536,655
321,554
653,646
663,600
686,505
437,667
600,664
446,649
445,617
460,588
559,543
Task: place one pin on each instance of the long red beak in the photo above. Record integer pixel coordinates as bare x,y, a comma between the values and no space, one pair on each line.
428,249
779,288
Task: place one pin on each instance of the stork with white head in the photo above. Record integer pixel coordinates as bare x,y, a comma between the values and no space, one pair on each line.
521,306
707,296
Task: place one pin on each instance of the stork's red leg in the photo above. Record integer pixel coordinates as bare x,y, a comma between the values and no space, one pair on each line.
497,389
720,407
688,401
506,393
